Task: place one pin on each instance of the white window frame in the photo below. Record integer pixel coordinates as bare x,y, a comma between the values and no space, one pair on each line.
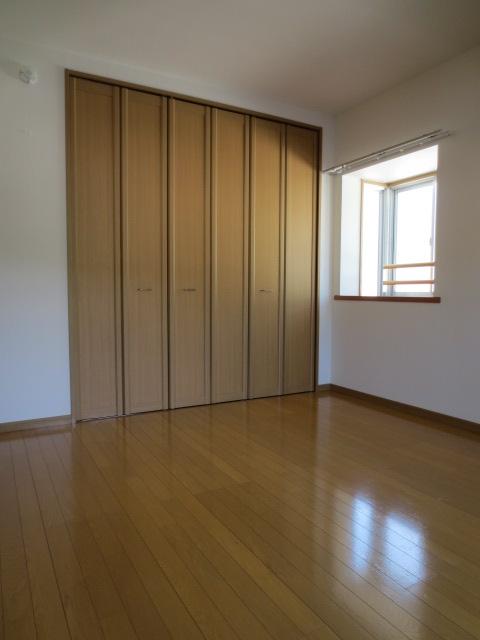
387,230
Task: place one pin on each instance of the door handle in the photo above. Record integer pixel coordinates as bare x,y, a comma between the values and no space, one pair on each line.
143,289
189,289
266,290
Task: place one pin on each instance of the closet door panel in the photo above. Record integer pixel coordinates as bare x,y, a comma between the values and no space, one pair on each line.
144,161
300,224
230,141
94,249
267,242
189,234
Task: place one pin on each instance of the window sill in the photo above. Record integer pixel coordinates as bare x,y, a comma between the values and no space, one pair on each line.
424,299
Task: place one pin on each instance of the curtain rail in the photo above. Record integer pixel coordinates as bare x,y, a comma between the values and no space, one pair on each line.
388,152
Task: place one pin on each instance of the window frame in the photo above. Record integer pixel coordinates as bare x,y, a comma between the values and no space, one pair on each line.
387,230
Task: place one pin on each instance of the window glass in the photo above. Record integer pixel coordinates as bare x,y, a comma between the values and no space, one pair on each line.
414,230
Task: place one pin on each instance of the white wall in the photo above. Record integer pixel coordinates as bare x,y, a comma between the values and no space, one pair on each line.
422,354
34,366
350,236
325,290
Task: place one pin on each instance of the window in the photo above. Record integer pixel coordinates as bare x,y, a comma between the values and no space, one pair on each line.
398,237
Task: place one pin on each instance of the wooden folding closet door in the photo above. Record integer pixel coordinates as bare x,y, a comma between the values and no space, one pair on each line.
146,330
94,249
189,253
144,224
300,256
267,257
230,180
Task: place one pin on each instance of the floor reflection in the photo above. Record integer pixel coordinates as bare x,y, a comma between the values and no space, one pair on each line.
387,541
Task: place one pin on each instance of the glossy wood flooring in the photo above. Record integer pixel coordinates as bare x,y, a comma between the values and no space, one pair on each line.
307,516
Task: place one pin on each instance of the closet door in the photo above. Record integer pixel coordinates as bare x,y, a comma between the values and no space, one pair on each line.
94,249
144,209
300,226
267,257
189,258
230,142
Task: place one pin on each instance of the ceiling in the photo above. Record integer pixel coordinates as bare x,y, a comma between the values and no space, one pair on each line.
324,55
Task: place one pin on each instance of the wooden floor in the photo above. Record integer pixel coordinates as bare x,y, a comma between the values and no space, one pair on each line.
306,516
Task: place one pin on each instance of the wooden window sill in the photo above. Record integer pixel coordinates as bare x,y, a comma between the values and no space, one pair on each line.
424,299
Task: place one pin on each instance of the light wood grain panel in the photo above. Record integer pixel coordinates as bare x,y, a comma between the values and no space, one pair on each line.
76,511
118,627
243,622
194,426
354,595
17,601
144,617
147,596
355,550
454,567
220,504
144,209
301,516
300,234
154,554
267,257
172,476
189,234
40,423
230,139
446,605
303,618
268,613
94,235
2,627
79,611
49,616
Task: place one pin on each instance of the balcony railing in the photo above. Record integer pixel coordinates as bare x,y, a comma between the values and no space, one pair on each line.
409,266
